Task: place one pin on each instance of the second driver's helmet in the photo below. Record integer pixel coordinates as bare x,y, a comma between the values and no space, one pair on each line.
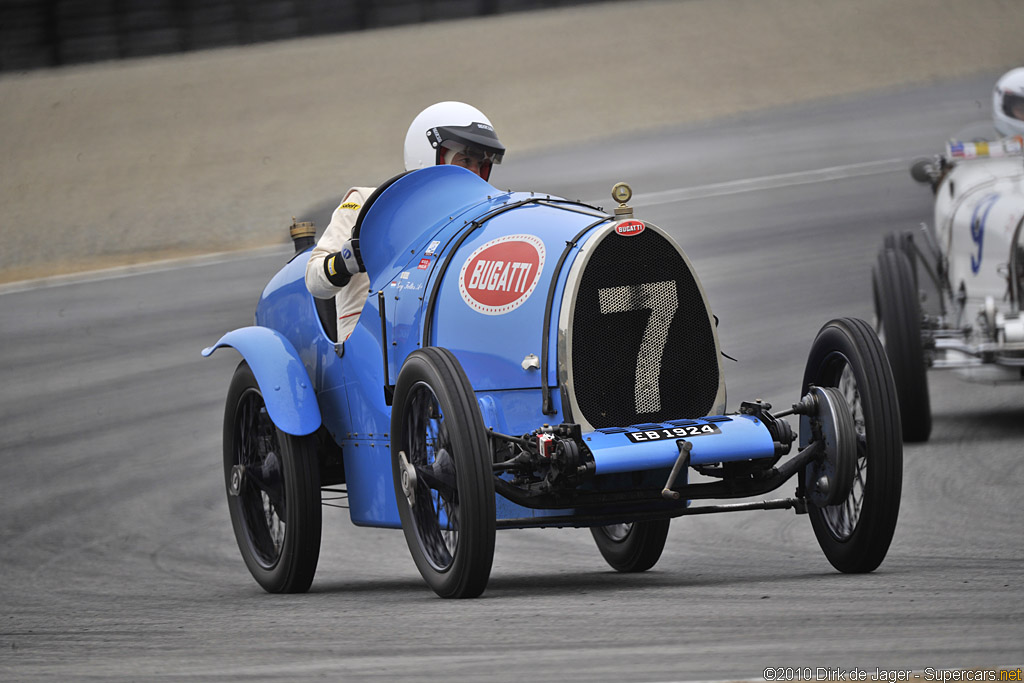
1008,103
452,127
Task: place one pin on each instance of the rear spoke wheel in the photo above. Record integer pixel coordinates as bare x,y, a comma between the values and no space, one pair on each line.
633,547
273,491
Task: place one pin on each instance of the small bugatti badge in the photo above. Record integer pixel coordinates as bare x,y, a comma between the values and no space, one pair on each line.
629,228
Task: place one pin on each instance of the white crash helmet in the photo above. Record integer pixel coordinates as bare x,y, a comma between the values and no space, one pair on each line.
1008,103
447,125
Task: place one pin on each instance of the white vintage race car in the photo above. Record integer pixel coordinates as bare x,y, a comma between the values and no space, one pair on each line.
949,296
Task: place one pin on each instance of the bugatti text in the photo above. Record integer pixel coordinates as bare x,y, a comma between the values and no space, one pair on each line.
502,276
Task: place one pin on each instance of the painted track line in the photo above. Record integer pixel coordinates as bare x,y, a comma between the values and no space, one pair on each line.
142,268
772,182
683,194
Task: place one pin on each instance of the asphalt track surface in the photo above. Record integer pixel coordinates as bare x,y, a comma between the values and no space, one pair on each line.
117,553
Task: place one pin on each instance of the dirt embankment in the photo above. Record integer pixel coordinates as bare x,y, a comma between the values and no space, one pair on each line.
123,162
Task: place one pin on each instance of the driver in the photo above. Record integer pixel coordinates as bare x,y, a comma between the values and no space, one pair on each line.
444,133
1008,103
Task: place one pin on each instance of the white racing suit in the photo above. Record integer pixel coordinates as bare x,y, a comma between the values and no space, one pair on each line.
351,297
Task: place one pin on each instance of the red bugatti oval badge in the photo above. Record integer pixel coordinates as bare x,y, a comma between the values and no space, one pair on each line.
501,275
629,228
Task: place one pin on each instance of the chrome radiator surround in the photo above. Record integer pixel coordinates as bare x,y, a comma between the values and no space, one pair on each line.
637,341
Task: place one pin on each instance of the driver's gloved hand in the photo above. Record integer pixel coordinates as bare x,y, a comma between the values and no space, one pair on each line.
340,266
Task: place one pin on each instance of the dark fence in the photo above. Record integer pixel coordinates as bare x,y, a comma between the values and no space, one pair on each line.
46,33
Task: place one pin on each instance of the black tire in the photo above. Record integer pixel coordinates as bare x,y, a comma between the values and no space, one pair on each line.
920,171
898,316
904,242
276,513
855,534
632,547
436,425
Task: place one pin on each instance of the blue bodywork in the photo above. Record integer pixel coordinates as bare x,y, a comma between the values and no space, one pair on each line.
417,239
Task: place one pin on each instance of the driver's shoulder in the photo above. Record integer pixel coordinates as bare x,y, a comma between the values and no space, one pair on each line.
355,198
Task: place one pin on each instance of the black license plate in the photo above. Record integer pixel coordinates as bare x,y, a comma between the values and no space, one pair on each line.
672,433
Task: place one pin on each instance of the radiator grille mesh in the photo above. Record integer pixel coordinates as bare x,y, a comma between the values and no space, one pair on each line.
642,347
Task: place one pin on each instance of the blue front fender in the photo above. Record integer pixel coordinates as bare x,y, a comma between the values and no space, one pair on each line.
284,382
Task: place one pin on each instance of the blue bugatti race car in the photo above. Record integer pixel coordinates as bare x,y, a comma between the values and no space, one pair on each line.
527,361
